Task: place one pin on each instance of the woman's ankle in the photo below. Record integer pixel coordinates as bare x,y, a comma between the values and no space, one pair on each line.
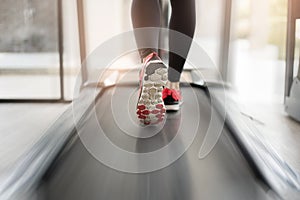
150,56
173,85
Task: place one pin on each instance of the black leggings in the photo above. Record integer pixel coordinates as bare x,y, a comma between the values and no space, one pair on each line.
147,13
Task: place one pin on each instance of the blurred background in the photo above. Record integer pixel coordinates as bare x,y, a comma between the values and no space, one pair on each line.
40,58
29,54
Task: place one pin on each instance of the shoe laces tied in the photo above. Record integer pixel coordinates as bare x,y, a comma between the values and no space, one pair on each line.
171,92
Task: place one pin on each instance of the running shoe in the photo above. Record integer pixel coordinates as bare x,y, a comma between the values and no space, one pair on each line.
172,99
153,77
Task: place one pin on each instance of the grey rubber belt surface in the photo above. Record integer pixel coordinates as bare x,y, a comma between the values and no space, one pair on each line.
223,174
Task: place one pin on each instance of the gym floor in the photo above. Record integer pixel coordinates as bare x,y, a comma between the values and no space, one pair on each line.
22,125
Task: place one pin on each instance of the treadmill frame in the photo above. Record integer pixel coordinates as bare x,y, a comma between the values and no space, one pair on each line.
264,162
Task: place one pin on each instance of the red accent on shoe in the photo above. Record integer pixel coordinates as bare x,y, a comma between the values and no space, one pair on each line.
159,106
141,107
150,56
159,116
142,117
155,111
146,123
171,92
146,112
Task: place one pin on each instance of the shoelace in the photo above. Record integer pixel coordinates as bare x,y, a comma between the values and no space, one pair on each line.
171,92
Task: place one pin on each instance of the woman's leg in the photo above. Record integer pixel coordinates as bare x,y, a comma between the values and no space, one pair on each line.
183,20
153,76
146,13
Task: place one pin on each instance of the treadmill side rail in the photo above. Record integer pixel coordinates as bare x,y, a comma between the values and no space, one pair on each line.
274,170
292,104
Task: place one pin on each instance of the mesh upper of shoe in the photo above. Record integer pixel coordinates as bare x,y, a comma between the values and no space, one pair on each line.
175,94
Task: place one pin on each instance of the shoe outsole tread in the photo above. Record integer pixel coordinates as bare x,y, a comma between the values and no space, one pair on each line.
150,108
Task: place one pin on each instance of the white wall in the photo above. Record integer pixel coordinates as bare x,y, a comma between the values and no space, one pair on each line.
71,36
104,19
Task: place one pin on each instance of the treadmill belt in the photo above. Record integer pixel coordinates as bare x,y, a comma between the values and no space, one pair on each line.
223,174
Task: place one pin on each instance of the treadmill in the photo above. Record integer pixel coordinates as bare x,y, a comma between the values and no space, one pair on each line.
212,151
239,165
292,84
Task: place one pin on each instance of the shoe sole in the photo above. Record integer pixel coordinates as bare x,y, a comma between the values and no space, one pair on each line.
150,108
172,107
